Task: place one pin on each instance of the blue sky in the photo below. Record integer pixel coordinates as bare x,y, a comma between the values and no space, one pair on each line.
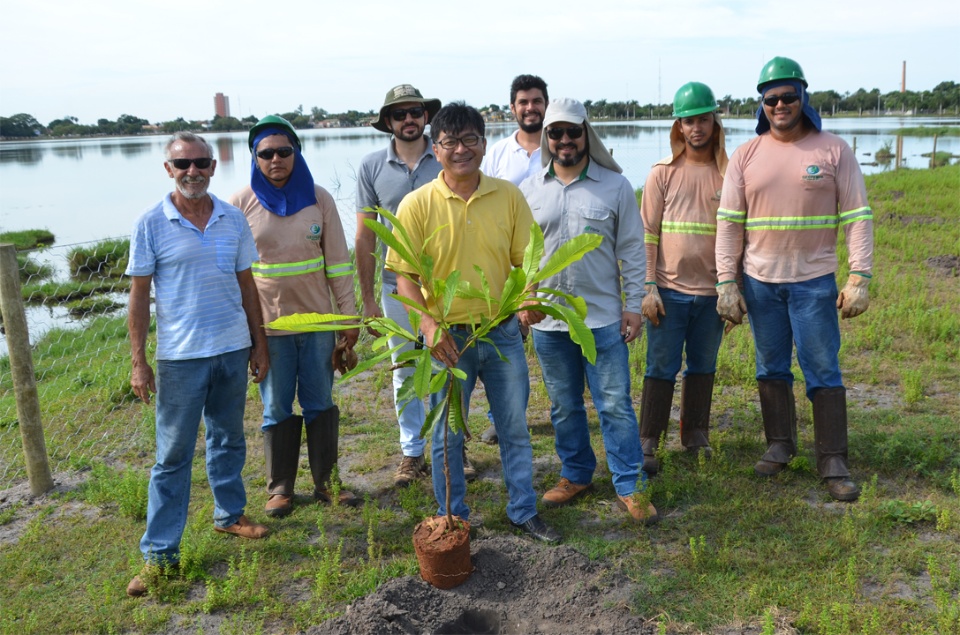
161,60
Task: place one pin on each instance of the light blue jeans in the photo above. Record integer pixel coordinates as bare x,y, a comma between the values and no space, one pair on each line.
508,389
691,320
564,370
300,365
216,389
801,313
410,414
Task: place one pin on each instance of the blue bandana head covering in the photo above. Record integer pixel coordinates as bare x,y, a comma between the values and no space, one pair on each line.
296,194
811,115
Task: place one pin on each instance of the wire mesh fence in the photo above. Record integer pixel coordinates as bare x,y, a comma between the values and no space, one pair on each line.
74,299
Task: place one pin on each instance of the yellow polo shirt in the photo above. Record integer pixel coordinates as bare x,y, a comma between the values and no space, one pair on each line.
489,231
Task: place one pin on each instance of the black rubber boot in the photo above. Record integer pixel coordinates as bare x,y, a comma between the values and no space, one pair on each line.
779,411
281,454
830,441
655,405
696,396
323,436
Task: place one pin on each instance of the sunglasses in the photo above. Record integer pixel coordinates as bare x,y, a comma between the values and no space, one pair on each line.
786,98
450,143
574,132
401,113
267,154
184,164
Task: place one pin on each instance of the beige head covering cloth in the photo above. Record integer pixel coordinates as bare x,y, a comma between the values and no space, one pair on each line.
572,111
678,145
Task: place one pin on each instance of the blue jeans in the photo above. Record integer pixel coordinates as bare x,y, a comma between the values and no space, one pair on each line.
301,366
216,389
508,390
564,368
801,313
690,320
410,414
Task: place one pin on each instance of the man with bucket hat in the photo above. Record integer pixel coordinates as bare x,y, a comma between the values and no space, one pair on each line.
785,195
384,178
580,189
303,260
679,211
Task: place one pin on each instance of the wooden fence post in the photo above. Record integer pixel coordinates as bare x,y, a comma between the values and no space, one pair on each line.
21,369
933,156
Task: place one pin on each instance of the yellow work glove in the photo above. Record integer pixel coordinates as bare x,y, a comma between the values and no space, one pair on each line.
730,304
854,299
652,307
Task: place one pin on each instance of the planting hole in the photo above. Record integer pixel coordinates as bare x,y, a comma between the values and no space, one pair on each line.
472,622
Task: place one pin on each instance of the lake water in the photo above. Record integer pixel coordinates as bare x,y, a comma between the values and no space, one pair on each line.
90,189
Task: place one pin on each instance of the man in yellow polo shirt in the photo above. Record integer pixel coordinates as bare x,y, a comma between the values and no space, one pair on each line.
474,221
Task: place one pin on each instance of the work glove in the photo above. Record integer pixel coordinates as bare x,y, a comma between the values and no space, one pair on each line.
344,357
854,298
730,304
652,307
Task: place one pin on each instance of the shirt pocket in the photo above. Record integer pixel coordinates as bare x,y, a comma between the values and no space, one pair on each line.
596,219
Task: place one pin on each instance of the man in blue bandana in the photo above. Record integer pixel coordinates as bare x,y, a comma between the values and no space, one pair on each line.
303,260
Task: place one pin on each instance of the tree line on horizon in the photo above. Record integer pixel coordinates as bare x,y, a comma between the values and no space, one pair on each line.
942,99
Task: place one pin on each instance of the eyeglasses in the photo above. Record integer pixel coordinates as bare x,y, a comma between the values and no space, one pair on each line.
574,132
786,98
450,143
400,114
267,153
184,164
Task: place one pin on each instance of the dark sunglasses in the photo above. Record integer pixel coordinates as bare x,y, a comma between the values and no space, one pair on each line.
786,98
401,113
267,154
574,132
184,164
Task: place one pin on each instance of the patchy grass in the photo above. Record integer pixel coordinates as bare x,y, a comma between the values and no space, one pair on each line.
106,259
776,554
28,238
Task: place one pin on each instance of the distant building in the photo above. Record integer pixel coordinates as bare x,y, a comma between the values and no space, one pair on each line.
221,105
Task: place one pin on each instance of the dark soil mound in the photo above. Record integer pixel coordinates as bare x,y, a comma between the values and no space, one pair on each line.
518,587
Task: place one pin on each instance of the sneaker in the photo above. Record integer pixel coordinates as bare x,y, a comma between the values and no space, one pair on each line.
564,492
469,472
244,528
538,530
410,468
639,510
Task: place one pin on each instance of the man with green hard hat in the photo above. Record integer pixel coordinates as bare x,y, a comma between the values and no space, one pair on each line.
679,211
785,195
304,267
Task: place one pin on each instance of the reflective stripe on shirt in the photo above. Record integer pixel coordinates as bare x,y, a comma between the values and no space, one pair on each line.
343,269
287,268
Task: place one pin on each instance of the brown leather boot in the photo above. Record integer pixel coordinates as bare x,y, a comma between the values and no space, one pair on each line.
654,418
281,453
778,408
696,396
830,441
322,447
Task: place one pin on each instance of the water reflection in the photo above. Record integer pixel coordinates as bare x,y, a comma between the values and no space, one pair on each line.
26,156
224,150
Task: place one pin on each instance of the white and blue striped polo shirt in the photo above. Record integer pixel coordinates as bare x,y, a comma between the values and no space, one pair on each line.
199,313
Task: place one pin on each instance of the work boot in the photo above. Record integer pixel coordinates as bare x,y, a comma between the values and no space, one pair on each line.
640,510
489,436
149,575
696,395
564,492
469,472
245,528
654,418
830,441
281,453
779,413
410,469
323,436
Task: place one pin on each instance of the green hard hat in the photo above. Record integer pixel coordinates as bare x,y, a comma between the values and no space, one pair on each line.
693,98
780,68
275,122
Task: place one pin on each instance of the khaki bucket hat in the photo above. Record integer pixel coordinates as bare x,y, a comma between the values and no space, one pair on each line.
402,94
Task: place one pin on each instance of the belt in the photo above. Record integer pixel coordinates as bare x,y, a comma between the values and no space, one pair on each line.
469,328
